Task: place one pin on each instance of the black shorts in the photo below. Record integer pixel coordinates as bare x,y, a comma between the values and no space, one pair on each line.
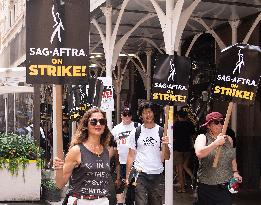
214,195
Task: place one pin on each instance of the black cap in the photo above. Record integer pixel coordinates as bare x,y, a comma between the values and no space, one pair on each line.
126,111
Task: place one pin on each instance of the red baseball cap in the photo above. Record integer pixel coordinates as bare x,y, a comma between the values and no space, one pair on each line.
212,116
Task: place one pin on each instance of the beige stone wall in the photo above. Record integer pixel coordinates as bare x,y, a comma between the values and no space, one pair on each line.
12,22
24,187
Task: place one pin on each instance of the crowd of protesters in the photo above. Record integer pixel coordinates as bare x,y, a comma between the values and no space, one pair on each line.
126,165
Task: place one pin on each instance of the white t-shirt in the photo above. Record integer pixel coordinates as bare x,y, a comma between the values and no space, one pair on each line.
148,154
30,131
121,133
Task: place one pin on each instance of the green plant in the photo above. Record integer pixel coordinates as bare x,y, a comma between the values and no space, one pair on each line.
49,184
49,190
16,151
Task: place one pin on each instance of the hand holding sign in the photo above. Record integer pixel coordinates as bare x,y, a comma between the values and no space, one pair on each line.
170,82
224,129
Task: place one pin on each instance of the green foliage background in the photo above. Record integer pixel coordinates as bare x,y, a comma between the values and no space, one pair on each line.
16,151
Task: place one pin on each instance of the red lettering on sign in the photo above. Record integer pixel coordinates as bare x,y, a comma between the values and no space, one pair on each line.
107,94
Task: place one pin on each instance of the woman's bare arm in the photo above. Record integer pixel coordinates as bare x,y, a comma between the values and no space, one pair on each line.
64,170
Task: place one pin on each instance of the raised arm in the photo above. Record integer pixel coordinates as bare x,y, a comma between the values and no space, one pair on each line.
202,150
64,169
165,152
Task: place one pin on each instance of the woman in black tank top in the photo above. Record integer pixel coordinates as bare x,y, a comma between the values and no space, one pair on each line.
86,166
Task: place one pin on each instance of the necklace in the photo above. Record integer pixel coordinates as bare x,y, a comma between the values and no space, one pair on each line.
96,149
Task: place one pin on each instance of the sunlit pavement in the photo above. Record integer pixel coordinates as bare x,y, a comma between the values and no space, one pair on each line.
245,197
24,203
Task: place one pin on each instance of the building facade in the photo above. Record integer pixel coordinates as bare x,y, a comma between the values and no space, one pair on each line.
12,33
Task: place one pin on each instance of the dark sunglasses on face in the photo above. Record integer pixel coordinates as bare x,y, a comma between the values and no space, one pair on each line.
216,122
95,121
126,114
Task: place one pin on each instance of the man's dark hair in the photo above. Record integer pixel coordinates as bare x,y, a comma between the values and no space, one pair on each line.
146,105
182,114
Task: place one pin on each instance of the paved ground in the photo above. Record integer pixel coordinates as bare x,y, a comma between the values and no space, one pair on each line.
246,197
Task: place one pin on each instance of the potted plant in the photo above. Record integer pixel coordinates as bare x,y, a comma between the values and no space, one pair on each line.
49,190
20,173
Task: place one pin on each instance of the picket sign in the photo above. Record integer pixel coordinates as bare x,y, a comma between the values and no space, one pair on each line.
224,130
237,79
170,87
170,82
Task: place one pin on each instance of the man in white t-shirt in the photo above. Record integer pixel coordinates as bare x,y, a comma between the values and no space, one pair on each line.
121,133
148,153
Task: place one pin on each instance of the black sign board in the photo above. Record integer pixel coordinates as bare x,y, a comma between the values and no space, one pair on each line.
238,74
170,80
57,41
83,97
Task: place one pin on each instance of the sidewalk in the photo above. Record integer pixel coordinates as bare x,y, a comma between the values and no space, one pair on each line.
245,197
54,203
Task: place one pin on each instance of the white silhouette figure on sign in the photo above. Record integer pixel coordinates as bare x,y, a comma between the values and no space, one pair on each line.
239,63
58,24
74,101
172,70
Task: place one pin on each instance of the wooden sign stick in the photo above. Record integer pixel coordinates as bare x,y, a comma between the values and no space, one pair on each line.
166,120
224,130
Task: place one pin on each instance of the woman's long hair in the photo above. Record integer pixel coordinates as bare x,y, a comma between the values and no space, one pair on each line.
82,134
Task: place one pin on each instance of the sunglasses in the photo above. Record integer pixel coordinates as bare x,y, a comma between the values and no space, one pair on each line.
126,114
95,121
216,122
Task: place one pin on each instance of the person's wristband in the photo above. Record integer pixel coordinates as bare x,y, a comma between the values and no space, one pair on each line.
235,172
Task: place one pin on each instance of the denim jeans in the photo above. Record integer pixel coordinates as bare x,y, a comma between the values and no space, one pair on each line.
149,190
130,195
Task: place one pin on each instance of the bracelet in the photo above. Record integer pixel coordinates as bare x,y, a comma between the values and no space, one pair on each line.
235,171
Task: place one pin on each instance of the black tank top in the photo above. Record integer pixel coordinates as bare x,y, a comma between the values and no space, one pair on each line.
91,177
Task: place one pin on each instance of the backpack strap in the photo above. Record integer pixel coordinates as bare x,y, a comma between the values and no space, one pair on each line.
136,124
137,135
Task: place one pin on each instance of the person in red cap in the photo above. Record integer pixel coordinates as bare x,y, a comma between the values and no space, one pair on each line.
212,186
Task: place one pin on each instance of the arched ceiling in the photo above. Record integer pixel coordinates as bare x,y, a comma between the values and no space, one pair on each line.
213,12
